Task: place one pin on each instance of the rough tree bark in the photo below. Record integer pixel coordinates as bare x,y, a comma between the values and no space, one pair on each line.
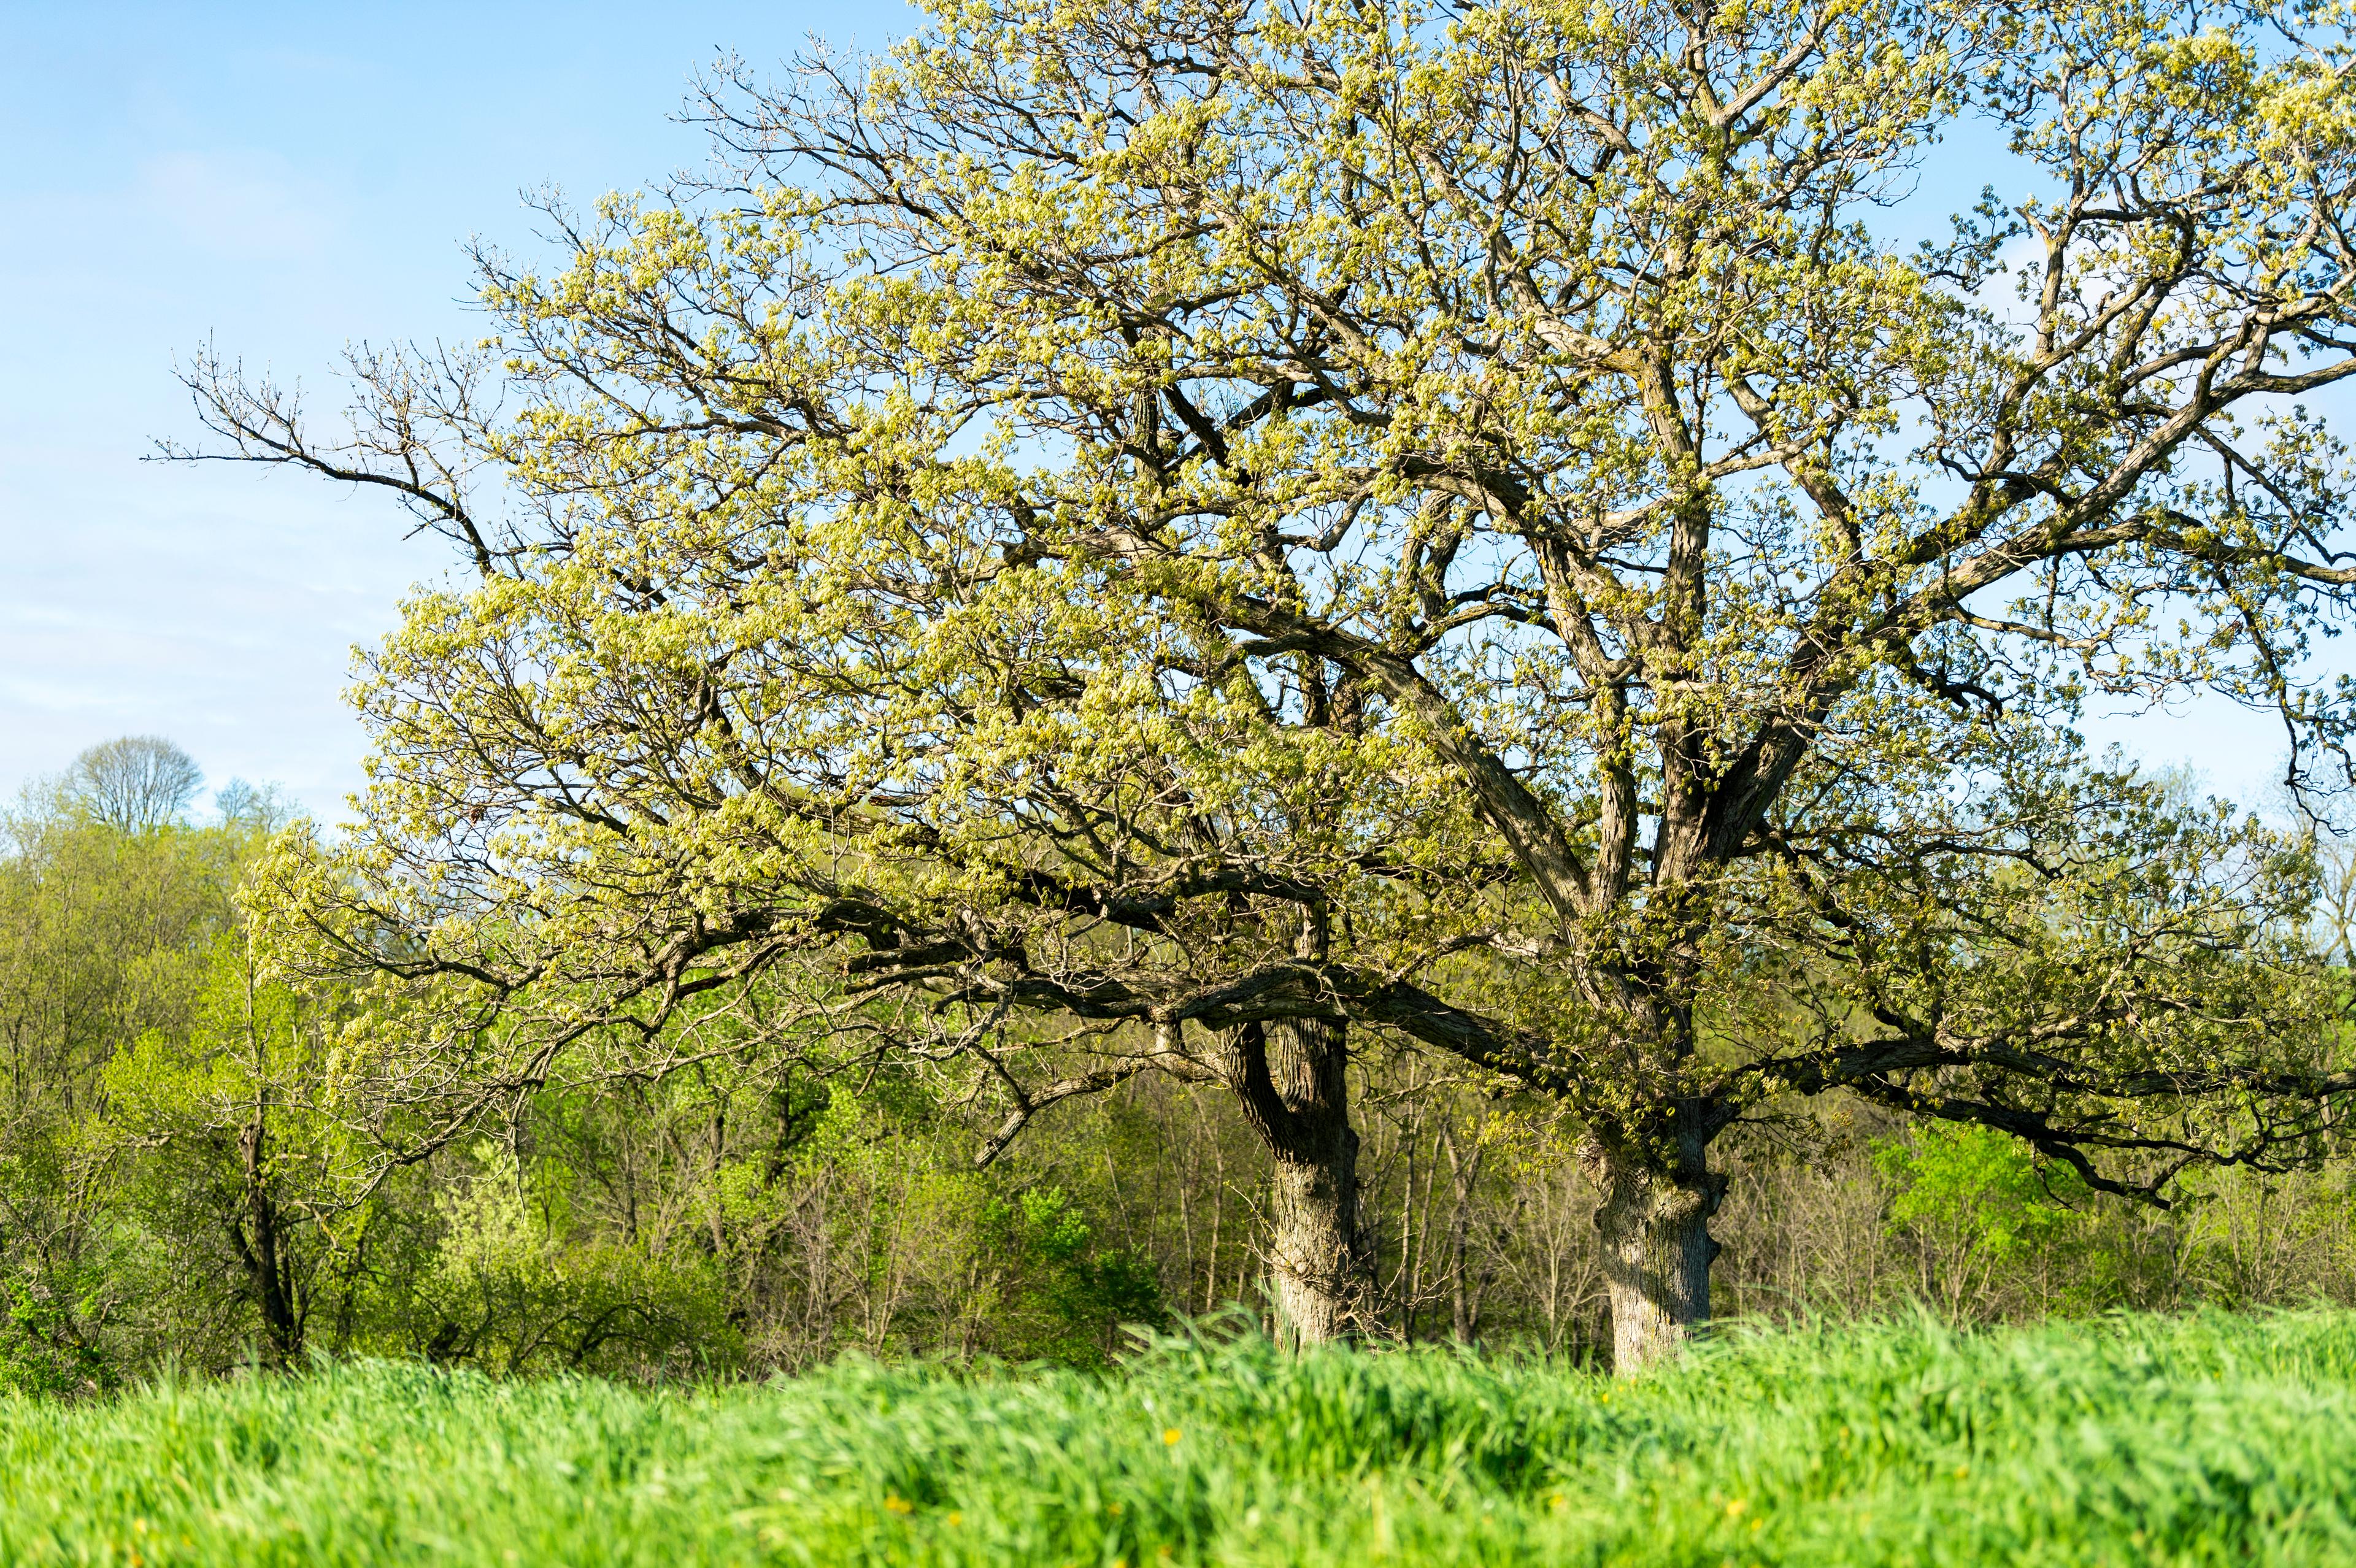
1653,1218
1292,1077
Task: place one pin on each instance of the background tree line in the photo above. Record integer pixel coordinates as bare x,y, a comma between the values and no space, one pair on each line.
172,1192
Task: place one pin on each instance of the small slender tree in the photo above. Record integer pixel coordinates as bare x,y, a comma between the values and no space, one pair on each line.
207,1138
1235,524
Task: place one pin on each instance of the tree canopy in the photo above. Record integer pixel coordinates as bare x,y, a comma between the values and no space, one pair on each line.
133,784
1186,536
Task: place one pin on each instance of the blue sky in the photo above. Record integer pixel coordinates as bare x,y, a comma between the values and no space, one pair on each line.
285,179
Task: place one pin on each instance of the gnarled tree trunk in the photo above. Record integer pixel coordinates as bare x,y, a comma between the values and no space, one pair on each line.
1654,1220
1292,1077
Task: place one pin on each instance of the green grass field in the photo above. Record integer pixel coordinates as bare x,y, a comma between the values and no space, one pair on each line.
2211,1439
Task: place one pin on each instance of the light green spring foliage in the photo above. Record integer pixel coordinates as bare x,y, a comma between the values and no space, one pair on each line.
1459,517
102,935
1980,1204
173,1189
106,936
1979,1184
249,1057
177,1188
2198,1440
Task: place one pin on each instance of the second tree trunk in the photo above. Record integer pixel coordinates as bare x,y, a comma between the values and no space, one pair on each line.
1654,1224
1293,1076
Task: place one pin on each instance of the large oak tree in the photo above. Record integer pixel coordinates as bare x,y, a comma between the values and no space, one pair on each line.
1177,537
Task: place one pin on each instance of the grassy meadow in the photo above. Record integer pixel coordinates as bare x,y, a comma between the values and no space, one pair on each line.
2203,1439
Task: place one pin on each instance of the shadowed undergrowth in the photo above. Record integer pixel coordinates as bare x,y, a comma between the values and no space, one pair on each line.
2203,1439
